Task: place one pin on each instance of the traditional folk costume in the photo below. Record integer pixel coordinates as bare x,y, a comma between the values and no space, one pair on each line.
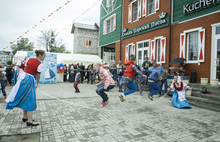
22,64
23,94
179,95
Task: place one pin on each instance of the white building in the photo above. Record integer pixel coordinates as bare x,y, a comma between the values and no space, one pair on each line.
86,38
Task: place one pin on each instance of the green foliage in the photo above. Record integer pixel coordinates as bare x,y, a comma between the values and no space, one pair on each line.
22,45
48,39
9,62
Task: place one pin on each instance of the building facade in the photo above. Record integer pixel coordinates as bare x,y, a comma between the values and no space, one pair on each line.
195,36
146,30
86,38
110,30
5,57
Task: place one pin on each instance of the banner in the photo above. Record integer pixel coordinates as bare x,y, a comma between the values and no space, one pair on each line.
49,75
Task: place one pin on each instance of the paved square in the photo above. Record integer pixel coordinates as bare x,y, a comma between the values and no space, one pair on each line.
65,116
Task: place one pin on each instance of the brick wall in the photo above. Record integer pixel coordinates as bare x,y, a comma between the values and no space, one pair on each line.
202,70
164,7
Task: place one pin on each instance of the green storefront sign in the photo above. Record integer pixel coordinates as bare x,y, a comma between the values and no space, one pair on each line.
154,25
189,9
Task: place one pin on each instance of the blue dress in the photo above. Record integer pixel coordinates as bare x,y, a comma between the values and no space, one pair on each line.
179,104
15,78
25,97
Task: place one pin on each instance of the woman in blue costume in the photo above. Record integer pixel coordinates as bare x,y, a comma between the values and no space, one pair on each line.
20,68
23,94
179,95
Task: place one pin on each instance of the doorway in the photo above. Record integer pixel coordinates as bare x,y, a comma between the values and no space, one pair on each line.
142,51
215,65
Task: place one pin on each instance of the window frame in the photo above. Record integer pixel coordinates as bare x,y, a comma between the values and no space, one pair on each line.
110,3
89,43
106,24
148,13
158,54
187,47
133,11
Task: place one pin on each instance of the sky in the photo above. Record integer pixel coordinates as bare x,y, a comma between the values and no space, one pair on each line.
17,16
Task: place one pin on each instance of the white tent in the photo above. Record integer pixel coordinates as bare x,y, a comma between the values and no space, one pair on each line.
66,58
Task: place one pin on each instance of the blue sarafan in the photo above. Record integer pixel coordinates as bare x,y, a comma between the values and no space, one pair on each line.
25,97
179,104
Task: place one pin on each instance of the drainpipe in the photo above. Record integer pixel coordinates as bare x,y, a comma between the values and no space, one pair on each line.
121,27
170,31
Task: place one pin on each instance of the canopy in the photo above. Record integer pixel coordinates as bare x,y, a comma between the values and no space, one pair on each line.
66,58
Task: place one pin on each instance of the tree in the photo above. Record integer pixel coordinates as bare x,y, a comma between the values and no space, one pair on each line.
48,39
22,45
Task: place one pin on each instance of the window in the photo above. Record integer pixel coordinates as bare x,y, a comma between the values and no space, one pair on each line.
151,7
135,11
192,46
218,30
158,46
110,24
88,43
109,3
130,50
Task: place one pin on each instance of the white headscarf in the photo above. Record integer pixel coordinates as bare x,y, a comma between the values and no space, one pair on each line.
23,58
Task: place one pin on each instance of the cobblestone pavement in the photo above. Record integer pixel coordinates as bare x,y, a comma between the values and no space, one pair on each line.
65,116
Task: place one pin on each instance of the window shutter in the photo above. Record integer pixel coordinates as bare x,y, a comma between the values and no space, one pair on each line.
152,51
182,45
163,50
139,8
129,13
157,5
144,10
104,28
126,54
133,49
87,43
201,45
114,22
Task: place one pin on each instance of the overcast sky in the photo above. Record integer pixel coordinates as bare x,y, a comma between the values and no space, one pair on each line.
17,16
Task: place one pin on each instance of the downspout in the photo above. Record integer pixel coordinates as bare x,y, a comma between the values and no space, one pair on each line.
170,30
121,27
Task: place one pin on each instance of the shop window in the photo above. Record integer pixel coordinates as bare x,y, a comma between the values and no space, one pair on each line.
192,46
88,43
151,7
135,11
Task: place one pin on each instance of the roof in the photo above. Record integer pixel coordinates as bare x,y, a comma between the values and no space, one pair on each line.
94,27
66,58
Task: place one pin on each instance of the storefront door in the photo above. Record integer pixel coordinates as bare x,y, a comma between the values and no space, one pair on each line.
142,52
109,58
216,53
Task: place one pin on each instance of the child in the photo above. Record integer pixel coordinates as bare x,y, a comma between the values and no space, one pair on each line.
77,80
128,78
106,83
4,82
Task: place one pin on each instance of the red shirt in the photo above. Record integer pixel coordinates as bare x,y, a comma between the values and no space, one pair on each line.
129,71
32,66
